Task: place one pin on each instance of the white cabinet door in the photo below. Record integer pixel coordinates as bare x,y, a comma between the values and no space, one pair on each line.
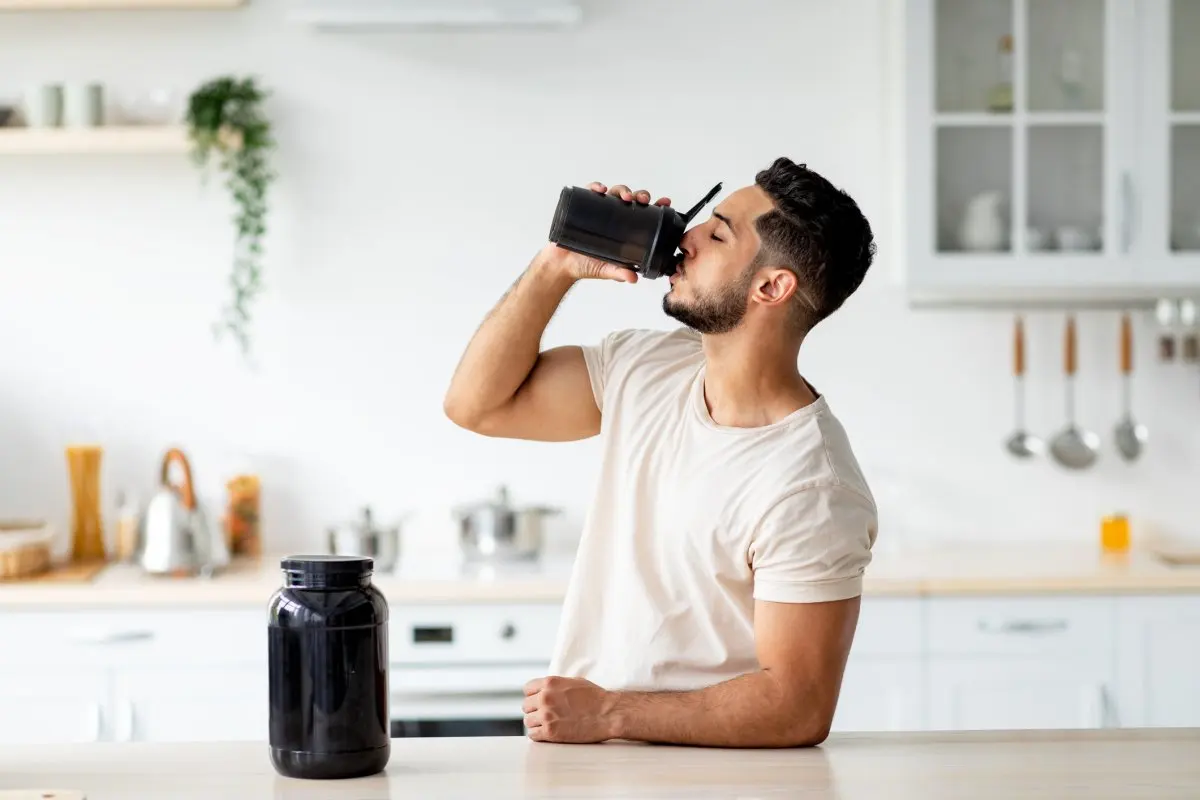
881,694
177,704
1022,693
1168,218
53,706
1159,660
1021,148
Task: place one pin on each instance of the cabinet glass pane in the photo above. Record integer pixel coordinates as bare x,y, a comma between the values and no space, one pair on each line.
1066,187
1185,55
974,188
973,40
1185,187
1066,55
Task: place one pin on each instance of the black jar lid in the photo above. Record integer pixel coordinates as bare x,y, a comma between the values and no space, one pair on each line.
349,566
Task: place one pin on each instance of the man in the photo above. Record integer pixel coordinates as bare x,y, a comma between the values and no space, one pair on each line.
716,587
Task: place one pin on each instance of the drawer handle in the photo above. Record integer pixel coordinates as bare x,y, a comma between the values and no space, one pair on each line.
111,637
1023,626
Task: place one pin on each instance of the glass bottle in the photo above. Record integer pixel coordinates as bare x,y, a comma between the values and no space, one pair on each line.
1000,97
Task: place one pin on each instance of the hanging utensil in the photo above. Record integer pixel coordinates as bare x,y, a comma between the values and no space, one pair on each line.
1021,443
1130,436
1074,447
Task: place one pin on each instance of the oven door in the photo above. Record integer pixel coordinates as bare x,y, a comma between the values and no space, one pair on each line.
430,700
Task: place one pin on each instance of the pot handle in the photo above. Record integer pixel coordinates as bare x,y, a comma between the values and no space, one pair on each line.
186,491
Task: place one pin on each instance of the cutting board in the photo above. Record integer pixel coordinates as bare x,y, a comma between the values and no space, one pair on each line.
63,573
42,794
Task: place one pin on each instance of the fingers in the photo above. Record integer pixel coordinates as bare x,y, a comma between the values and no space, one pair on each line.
628,195
530,705
534,686
615,273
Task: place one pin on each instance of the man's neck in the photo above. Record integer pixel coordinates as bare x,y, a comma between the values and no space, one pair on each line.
747,384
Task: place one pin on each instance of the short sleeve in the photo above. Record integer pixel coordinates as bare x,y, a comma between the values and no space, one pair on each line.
813,546
605,357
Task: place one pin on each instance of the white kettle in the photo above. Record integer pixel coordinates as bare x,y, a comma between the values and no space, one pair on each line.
174,535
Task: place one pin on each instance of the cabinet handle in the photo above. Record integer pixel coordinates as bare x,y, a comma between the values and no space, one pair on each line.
1128,212
1023,626
110,637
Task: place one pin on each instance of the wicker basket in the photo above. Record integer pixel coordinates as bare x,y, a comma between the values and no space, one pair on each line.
24,548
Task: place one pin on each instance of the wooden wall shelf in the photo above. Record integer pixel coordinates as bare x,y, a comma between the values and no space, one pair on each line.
115,5
99,141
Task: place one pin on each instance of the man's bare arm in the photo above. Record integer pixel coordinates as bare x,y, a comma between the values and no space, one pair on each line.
505,385
789,702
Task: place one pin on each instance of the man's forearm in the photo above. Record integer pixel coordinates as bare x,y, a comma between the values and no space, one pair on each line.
752,710
505,347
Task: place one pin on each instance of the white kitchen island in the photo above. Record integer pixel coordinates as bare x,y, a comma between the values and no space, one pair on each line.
1159,764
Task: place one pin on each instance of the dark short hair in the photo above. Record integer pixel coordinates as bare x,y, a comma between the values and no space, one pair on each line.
818,232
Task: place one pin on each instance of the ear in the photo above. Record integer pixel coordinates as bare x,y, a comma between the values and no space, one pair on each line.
774,286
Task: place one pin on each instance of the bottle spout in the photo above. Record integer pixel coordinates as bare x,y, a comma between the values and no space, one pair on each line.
696,208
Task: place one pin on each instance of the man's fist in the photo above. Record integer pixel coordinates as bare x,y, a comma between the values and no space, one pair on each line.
568,710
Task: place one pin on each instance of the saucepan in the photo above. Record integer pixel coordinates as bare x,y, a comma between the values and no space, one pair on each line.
495,530
363,538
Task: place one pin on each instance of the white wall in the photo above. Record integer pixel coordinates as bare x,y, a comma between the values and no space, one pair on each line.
418,175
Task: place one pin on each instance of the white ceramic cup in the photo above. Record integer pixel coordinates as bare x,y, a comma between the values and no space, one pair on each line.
42,106
83,105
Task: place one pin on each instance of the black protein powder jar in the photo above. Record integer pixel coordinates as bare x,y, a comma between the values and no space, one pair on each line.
328,661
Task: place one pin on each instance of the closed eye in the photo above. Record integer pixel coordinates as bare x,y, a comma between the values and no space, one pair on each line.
716,238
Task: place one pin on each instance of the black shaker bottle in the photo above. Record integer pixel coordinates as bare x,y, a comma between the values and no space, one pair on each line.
328,660
644,238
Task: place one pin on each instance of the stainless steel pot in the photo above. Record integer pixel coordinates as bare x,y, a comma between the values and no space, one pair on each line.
363,538
493,530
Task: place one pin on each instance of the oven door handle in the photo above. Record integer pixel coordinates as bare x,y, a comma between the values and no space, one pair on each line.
494,694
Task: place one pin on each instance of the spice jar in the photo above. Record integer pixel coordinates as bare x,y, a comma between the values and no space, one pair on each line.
328,661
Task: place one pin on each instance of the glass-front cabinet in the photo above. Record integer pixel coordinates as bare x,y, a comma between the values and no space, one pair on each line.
1053,149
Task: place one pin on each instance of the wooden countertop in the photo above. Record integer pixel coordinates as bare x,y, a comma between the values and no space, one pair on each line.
949,571
1159,764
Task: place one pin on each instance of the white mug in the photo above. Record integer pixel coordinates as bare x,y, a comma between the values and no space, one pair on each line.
42,106
83,105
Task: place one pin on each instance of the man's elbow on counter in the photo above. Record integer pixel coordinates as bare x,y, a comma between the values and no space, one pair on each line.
806,729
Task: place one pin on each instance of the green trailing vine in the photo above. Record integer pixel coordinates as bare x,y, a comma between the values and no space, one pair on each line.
225,119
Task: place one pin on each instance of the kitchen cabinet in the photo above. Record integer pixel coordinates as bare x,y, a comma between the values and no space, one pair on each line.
882,689
53,704
881,694
1052,150
182,704
1159,661
1017,693
933,662
1021,662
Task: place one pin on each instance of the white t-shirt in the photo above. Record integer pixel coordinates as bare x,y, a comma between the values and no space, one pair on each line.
692,521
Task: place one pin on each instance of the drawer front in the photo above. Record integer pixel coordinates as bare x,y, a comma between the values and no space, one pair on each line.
1021,625
889,627
450,634
144,637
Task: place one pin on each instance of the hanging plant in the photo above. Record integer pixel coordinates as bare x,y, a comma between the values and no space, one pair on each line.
225,119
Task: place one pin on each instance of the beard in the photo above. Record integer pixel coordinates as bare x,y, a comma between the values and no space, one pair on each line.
714,313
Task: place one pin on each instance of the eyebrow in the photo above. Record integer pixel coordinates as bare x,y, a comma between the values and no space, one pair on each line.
726,220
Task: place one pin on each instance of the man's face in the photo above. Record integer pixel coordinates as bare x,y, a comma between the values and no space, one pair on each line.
710,290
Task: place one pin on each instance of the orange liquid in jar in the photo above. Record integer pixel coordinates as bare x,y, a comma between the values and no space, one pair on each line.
1114,533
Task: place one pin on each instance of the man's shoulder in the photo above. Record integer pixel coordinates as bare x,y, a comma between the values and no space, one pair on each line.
816,457
631,348
632,342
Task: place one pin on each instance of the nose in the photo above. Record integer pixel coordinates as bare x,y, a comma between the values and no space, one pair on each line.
688,243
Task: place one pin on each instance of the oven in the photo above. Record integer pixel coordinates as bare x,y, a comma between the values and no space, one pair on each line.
462,670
